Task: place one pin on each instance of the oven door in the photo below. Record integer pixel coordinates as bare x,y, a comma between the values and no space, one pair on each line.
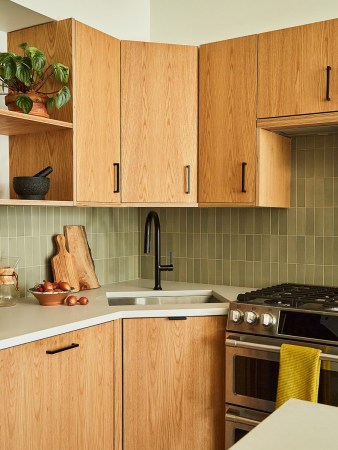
238,422
252,366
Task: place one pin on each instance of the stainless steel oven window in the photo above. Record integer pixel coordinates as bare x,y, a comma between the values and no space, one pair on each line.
252,372
251,378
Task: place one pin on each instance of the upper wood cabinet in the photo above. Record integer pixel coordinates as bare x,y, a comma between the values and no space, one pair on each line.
85,160
298,70
173,383
63,392
238,165
227,121
97,116
159,88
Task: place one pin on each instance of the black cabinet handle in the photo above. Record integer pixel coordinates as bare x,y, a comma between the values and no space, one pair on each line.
328,70
187,168
243,176
52,352
178,318
117,177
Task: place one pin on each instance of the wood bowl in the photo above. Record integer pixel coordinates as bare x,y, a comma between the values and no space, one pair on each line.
50,298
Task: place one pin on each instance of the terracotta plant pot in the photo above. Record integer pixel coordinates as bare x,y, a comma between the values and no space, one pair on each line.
39,104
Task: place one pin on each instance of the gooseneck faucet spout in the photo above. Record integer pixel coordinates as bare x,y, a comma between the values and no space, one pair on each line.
153,216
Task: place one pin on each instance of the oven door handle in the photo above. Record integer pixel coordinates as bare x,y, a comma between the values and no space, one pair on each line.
271,348
243,420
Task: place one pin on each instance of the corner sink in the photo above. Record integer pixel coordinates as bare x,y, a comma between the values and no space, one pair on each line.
163,298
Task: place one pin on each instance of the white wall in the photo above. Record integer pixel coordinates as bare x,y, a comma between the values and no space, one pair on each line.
124,19
196,22
4,162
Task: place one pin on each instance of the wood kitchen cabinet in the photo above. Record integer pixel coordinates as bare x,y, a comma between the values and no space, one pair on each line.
173,383
85,159
293,69
238,165
227,121
159,88
97,118
70,399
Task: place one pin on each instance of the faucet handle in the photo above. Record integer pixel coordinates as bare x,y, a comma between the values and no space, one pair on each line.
168,267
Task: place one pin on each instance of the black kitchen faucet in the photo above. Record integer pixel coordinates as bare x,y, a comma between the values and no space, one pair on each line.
152,215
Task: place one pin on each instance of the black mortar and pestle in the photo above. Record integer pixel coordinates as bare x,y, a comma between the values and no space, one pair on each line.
33,188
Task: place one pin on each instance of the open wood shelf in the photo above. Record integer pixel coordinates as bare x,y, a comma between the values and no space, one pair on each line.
20,202
15,123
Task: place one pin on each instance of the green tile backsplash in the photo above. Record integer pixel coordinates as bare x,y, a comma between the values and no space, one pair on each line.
255,246
233,246
113,236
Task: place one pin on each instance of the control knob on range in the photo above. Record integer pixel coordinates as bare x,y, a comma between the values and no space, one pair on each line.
251,317
236,316
268,320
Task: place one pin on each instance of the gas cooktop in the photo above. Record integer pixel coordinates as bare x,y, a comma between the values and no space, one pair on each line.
299,311
300,296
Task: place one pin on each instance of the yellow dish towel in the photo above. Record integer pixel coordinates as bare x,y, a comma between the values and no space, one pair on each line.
299,371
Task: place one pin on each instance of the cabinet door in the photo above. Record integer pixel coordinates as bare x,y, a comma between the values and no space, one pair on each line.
63,400
292,70
227,121
159,122
97,116
174,383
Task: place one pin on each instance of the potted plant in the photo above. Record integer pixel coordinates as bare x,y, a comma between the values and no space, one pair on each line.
25,77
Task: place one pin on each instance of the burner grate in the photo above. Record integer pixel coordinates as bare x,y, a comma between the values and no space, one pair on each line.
293,295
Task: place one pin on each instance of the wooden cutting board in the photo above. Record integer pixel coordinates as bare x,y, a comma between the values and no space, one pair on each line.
77,245
63,266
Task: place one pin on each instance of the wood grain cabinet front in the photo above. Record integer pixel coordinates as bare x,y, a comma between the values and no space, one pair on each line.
238,164
227,121
159,88
298,70
173,382
63,392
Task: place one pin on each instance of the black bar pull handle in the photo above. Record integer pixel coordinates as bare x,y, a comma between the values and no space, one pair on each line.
187,168
177,318
52,352
244,164
328,70
117,177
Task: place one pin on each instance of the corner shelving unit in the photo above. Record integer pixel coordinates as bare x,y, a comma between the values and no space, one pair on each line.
15,124
37,142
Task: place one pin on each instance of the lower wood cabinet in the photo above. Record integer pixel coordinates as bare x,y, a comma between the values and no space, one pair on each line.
173,383
63,392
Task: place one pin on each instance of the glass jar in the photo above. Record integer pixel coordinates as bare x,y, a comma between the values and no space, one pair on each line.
9,286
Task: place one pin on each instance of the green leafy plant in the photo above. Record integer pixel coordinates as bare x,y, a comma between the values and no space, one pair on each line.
28,74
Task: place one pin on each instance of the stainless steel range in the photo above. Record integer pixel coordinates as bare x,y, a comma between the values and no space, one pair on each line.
259,322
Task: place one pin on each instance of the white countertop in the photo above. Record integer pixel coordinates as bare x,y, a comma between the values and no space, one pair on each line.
29,321
296,425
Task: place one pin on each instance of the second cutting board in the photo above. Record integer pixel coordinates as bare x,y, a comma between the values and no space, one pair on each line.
78,247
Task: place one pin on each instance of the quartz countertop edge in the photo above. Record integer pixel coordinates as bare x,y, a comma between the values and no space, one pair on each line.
296,425
28,321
